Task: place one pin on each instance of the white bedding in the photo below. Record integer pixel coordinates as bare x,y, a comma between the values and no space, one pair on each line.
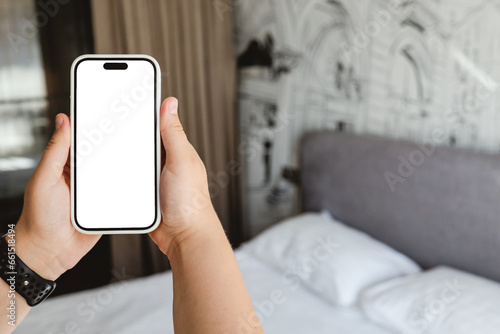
328,257
145,306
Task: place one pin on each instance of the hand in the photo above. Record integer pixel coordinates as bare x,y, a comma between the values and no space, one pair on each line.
209,293
184,196
45,238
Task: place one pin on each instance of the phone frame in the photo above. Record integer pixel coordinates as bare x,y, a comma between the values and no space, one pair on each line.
157,80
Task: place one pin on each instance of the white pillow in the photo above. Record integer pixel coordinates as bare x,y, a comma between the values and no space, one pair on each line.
439,301
330,258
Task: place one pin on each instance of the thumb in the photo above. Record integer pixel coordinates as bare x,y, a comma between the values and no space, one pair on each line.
54,158
174,139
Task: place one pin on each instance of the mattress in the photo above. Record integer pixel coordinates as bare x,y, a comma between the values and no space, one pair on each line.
145,306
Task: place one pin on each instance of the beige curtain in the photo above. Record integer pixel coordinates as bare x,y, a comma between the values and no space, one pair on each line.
193,42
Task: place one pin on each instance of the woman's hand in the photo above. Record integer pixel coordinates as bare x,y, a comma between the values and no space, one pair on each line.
45,238
184,196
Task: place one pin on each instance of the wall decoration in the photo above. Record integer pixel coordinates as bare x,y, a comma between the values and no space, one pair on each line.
400,69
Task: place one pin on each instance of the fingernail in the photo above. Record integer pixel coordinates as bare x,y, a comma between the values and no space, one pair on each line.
59,122
172,107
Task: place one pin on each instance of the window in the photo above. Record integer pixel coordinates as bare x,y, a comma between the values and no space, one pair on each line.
23,93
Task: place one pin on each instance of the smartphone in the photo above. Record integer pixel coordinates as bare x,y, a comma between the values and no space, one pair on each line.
115,144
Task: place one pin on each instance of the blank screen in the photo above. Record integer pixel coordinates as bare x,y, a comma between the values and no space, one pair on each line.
115,144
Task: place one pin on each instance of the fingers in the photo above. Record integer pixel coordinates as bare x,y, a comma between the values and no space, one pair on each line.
174,139
54,158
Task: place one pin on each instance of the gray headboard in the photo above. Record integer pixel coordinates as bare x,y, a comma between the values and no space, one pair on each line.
446,211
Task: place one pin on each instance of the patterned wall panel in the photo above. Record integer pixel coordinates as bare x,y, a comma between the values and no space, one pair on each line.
422,70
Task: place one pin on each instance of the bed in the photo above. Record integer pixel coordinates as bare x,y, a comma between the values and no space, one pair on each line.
443,211
139,306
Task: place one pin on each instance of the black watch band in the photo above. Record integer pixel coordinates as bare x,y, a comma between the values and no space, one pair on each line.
31,286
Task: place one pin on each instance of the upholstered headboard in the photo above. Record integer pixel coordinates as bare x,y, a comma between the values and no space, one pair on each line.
446,210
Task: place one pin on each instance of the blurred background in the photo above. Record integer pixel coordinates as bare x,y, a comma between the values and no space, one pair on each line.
394,69
252,77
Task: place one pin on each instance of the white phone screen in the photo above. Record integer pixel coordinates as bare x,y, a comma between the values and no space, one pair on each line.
115,159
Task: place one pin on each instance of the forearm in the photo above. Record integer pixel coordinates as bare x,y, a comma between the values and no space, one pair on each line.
14,308
204,269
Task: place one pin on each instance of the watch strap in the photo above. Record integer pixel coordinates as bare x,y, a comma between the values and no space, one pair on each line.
31,286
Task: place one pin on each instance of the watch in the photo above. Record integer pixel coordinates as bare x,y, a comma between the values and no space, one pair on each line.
24,281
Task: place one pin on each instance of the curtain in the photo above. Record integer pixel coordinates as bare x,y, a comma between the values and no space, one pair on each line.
193,42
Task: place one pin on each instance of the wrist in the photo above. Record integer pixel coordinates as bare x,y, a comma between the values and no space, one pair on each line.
195,238
39,259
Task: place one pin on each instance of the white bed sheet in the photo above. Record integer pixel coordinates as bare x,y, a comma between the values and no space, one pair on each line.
145,306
